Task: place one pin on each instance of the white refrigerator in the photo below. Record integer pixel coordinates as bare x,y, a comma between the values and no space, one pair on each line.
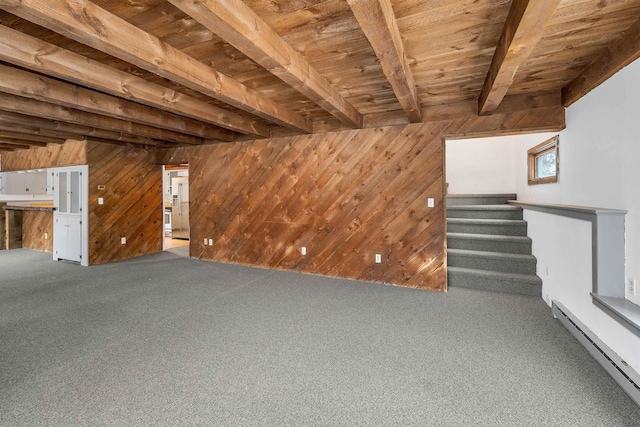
180,207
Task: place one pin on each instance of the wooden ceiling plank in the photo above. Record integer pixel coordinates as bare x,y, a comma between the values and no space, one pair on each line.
89,24
15,120
29,85
35,138
22,142
29,107
522,30
237,24
615,57
379,25
26,51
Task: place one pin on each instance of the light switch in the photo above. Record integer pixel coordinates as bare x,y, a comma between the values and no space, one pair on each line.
430,202
100,201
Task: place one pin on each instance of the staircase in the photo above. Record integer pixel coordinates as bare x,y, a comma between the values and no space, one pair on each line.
488,247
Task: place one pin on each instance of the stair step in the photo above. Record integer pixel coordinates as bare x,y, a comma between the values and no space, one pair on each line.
493,261
521,284
489,243
479,199
504,227
484,211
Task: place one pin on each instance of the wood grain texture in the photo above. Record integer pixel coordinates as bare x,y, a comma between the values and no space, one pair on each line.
89,24
38,109
236,23
13,229
30,85
613,59
34,226
71,153
379,24
345,196
522,30
132,203
26,51
76,132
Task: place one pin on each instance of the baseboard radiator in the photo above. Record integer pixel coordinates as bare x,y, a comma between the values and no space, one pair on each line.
619,370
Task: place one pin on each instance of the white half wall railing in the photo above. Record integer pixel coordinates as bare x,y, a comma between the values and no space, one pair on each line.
608,257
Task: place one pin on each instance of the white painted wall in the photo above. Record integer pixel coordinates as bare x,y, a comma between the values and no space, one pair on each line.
599,167
599,155
480,166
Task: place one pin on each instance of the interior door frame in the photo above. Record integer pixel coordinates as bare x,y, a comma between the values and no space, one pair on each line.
84,208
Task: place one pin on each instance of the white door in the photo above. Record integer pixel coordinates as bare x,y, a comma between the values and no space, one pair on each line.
67,227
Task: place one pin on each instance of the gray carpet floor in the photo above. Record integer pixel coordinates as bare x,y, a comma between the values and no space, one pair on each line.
166,340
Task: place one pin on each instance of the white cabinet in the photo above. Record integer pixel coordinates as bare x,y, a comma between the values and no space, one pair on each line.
67,217
37,182
15,183
24,182
50,181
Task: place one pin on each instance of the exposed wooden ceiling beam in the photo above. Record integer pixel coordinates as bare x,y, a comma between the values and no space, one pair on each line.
237,24
89,24
29,85
615,57
22,142
44,140
26,51
522,30
15,120
29,107
379,24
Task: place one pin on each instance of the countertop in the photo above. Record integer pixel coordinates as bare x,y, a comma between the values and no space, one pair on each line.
29,208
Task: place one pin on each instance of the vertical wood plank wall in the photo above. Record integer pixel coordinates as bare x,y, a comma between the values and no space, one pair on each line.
344,196
132,203
34,225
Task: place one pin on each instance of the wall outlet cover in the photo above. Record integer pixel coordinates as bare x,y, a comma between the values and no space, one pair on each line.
430,202
303,250
205,242
378,258
123,240
210,242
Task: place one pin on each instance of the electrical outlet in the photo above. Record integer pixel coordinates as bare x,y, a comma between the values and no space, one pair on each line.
205,242
430,202
123,240
210,242
100,201
632,287
46,236
303,250
378,258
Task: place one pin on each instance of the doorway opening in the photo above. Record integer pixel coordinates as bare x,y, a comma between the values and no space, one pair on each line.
175,206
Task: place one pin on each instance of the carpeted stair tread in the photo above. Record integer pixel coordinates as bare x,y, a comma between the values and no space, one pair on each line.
511,227
484,207
495,261
490,237
476,221
493,255
485,212
489,242
514,277
493,281
478,199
